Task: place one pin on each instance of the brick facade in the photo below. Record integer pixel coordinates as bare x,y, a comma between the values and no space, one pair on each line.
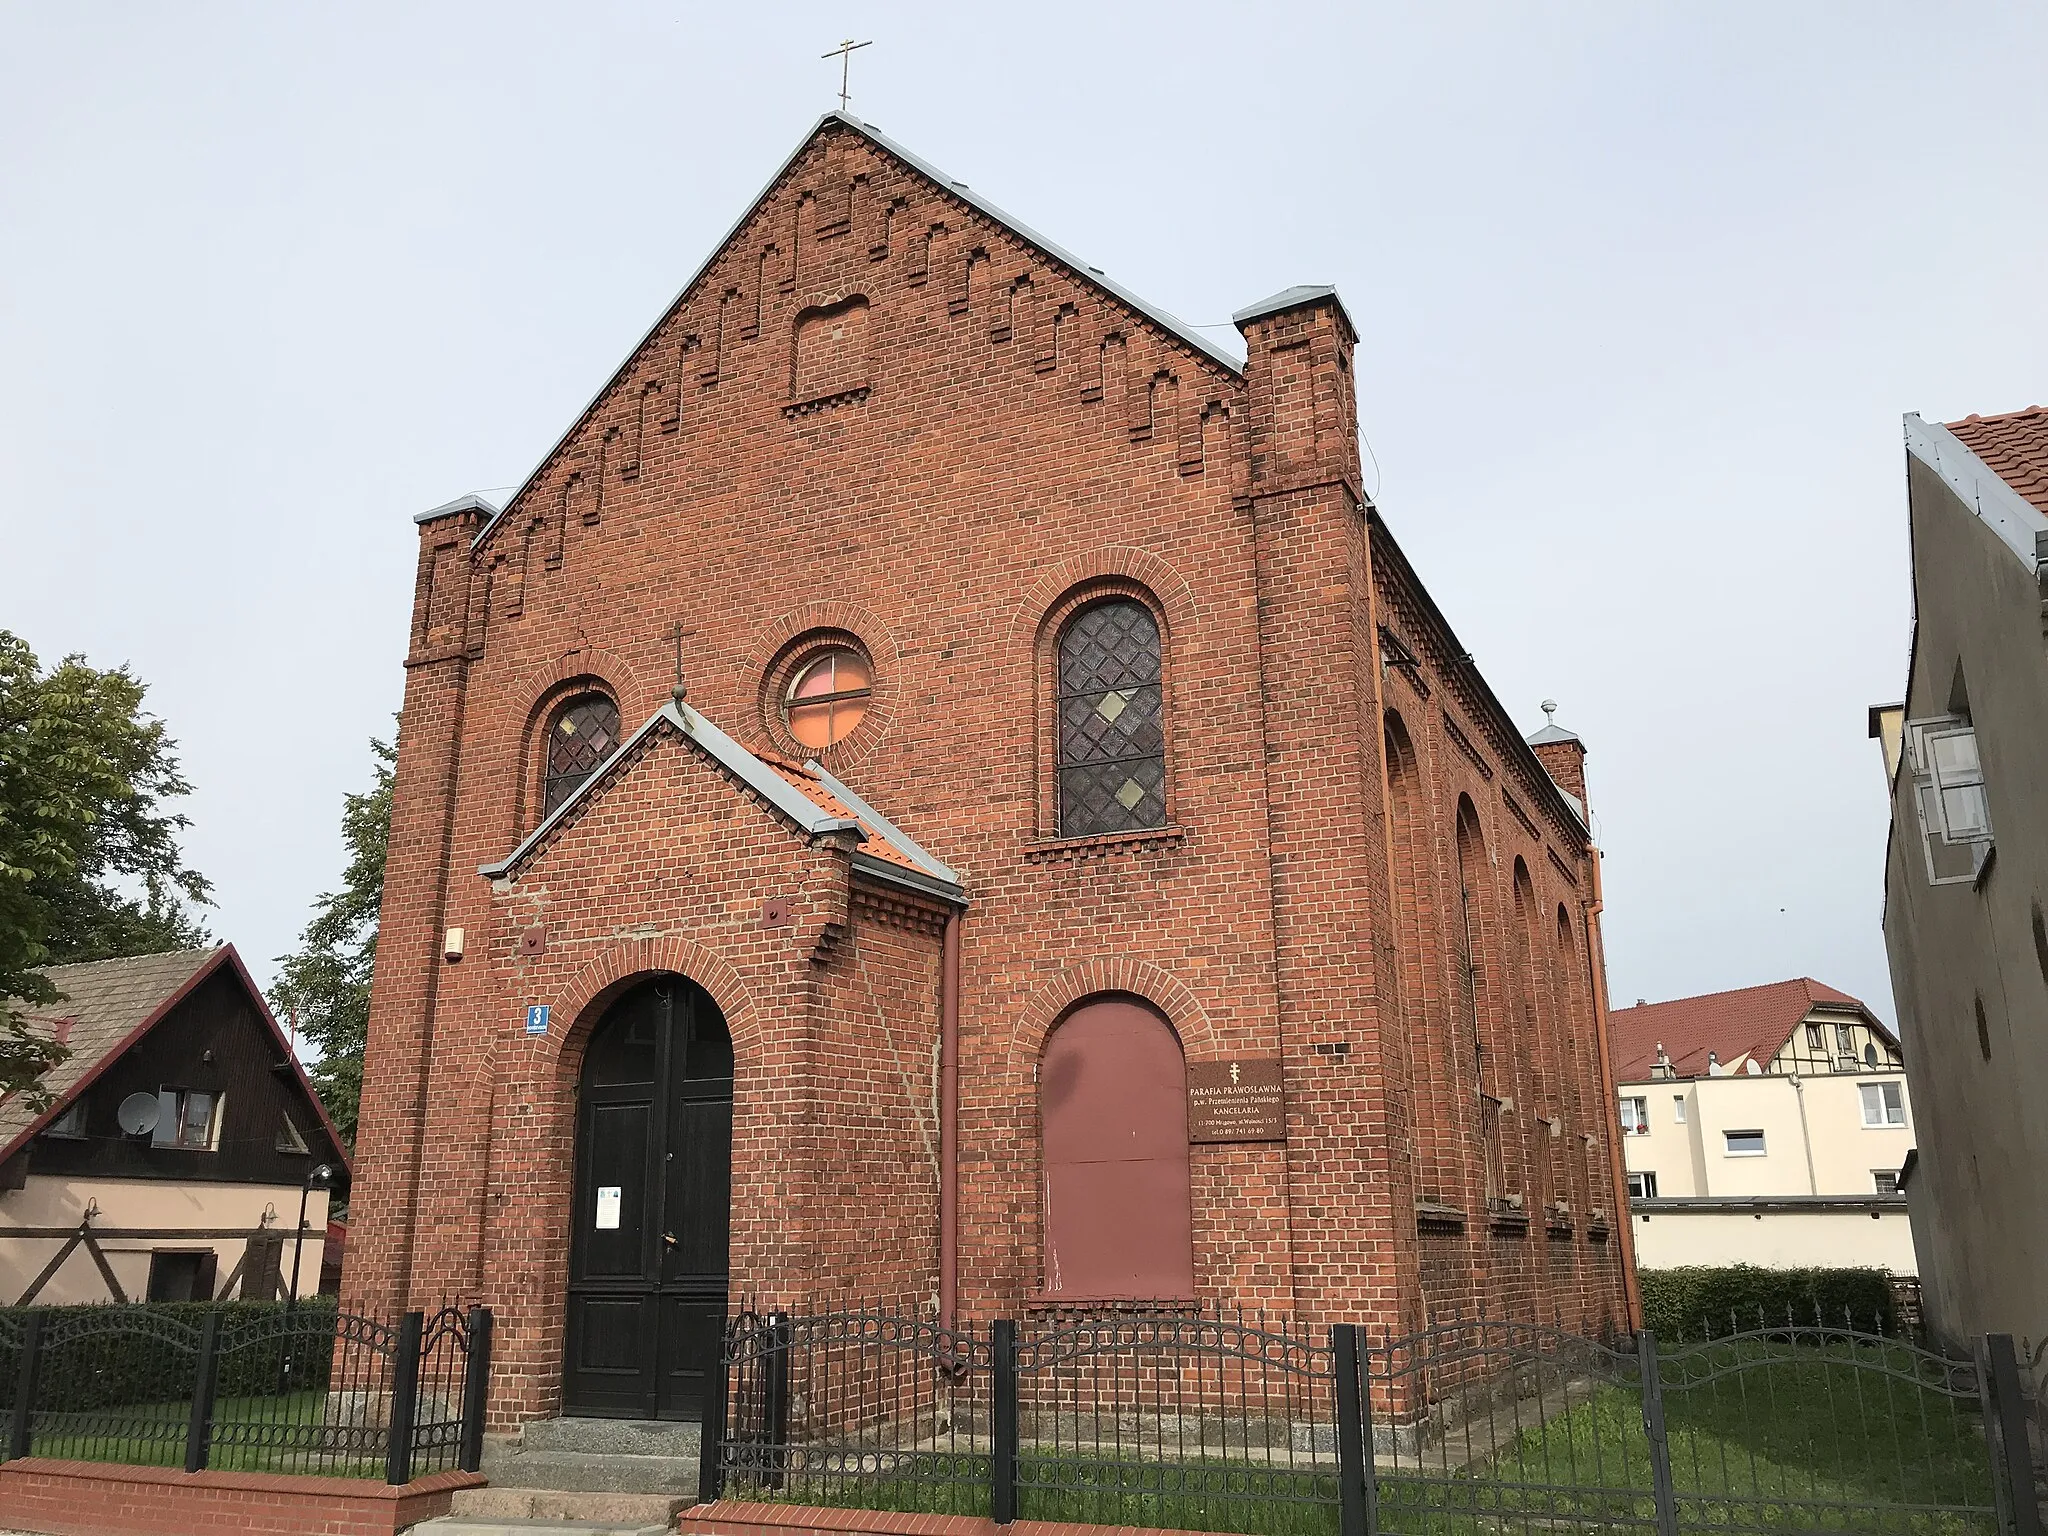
981,437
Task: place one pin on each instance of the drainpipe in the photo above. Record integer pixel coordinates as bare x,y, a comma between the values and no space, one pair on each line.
1805,1136
1596,968
949,1118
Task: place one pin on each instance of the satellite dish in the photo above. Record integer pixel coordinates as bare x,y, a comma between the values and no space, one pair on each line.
138,1113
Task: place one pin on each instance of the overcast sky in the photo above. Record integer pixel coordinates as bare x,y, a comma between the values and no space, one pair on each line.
1642,293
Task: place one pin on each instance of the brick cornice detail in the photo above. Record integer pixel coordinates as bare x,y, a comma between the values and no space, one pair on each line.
1108,973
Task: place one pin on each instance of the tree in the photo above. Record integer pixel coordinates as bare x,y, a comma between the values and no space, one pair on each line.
325,984
83,777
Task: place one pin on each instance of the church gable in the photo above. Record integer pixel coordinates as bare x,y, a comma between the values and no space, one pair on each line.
859,267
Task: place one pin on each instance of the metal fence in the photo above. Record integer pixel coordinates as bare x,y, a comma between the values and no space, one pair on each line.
1242,1424
285,1389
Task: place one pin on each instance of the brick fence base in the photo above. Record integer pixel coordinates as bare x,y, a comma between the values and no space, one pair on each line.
736,1517
89,1498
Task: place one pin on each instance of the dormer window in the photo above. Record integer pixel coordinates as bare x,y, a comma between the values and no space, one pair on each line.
186,1118
69,1126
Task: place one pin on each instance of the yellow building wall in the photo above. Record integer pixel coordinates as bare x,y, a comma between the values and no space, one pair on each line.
1841,1239
55,1202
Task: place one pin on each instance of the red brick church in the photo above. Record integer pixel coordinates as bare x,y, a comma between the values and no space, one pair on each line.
942,787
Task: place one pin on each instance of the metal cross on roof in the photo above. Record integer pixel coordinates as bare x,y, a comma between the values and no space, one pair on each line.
844,54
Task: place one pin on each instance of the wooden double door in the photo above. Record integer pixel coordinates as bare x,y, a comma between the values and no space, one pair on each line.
648,1254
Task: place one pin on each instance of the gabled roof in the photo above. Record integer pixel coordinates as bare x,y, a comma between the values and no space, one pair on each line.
108,1006
1750,1021
806,795
1078,269
2015,446
1997,466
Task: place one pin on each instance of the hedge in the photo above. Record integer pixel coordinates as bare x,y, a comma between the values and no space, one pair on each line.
147,1352
1709,1300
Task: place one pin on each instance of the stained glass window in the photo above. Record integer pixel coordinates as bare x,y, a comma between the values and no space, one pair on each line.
828,696
585,733
1112,750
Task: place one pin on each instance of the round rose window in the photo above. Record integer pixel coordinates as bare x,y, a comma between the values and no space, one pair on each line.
828,696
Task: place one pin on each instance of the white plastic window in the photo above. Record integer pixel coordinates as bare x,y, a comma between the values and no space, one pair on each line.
1883,1104
1744,1143
1678,1109
1886,1180
1642,1186
1948,792
1635,1117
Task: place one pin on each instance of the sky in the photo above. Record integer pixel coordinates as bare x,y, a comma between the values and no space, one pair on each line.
1642,294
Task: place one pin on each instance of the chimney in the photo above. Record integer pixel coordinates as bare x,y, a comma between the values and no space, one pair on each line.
1563,757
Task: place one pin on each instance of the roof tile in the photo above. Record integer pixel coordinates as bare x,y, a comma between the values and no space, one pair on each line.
1750,1021
2015,446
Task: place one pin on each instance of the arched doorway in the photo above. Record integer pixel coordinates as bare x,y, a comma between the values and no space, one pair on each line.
648,1249
1113,1118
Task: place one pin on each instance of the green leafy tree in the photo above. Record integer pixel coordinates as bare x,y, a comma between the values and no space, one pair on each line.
89,860
325,983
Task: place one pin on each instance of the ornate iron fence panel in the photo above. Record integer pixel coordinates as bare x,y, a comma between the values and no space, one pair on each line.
302,1390
857,1408
1206,1422
1820,1429
1484,1427
246,1387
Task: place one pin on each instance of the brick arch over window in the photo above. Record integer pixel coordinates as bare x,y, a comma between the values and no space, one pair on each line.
1054,999
1116,1204
766,673
546,689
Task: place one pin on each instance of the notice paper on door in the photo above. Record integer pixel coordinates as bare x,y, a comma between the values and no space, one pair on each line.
607,1207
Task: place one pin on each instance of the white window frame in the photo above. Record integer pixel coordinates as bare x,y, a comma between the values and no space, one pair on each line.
1678,1109
1889,1099
1879,1175
1642,1186
1930,788
1640,1114
1729,1148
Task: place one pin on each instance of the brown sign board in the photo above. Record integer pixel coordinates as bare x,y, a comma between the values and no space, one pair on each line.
1236,1101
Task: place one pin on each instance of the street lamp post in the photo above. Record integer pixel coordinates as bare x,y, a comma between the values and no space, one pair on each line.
320,1176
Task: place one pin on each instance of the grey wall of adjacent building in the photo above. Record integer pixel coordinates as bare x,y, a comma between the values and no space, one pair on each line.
1979,1195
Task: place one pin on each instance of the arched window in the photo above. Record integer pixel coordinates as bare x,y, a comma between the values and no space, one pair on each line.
583,733
1112,1104
828,695
1112,741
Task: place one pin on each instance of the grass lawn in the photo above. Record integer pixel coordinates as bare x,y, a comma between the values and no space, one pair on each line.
251,1434
1763,1438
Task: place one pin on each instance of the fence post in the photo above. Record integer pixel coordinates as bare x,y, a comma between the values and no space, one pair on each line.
775,1389
1352,1467
1002,1459
476,1389
199,1431
405,1398
2012,1449
25,1386
1653,1427
711,1433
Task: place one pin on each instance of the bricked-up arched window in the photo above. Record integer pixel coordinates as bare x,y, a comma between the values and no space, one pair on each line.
583,733
1112,741
1112,1104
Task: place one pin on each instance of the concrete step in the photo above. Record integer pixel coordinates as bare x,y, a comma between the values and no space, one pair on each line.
512,1466
612,1437
636,1510
459,1525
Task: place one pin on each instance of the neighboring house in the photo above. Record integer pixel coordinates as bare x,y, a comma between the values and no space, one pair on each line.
170,1166
1966,873
1764,1126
